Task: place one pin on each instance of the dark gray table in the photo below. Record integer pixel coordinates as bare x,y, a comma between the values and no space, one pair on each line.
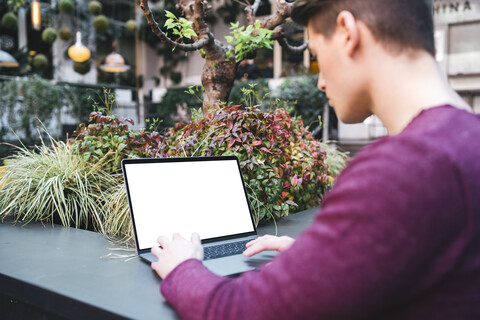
52,272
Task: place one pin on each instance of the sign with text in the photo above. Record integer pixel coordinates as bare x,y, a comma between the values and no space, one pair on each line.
451,11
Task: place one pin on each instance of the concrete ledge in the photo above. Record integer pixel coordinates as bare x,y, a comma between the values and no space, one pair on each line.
59,272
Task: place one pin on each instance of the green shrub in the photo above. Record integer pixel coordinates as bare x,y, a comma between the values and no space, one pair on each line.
302,95
335,160
110,138
285,169
27,102
80,101
176,99
283,166
260,91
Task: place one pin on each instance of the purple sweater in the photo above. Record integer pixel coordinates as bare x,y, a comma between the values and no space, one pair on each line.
398,237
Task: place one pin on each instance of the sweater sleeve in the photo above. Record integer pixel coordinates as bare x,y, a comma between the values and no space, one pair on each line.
384,237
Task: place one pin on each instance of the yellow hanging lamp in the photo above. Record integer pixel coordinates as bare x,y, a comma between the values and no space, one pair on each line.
78,52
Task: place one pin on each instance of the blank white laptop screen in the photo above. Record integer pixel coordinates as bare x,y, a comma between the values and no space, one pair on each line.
185,197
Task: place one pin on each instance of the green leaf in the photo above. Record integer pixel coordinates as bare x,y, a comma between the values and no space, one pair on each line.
121,146
189,33
170,15
169,24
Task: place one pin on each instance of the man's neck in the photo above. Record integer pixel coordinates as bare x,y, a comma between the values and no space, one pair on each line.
405,85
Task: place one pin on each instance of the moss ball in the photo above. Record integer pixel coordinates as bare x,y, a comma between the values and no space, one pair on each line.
176,77
10,21
95,8
131,25
65,34
66,6
82,67
40,61
49,35
100,23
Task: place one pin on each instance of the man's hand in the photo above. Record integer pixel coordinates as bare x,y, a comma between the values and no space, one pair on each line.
268,242
175,251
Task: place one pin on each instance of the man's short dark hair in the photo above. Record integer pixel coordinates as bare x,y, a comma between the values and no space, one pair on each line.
397,24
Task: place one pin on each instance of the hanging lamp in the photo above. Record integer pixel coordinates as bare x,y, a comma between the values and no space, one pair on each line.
114,62
78,52
36,13
7,61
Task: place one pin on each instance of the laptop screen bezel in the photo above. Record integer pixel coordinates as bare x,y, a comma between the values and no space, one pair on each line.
185,159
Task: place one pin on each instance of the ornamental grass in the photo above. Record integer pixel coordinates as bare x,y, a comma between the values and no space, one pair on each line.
117,222
55,183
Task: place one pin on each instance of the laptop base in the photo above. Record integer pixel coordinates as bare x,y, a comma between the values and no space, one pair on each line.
228,266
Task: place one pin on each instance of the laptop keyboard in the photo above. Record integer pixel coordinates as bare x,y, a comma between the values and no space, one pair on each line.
224,250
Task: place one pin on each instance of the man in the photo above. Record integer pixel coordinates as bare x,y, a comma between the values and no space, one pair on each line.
398,236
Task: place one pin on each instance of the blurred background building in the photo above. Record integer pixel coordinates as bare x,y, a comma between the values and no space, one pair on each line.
126,56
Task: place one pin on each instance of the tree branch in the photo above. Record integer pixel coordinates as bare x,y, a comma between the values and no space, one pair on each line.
279,35
187,8
198,21
204,35
295,49
282,12
251,11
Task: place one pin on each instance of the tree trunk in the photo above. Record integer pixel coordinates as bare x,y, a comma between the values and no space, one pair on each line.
218,75
217,78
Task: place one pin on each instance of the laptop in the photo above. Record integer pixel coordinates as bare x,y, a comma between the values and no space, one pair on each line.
206,195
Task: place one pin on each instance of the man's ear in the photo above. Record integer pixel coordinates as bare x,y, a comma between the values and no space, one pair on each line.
348,27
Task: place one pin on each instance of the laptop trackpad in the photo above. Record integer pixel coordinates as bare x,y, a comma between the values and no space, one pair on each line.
234,265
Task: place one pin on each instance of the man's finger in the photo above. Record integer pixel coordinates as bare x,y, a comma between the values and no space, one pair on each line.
251,243
157,267
254,249
177,236
156,251
262,238
196,238
162,241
